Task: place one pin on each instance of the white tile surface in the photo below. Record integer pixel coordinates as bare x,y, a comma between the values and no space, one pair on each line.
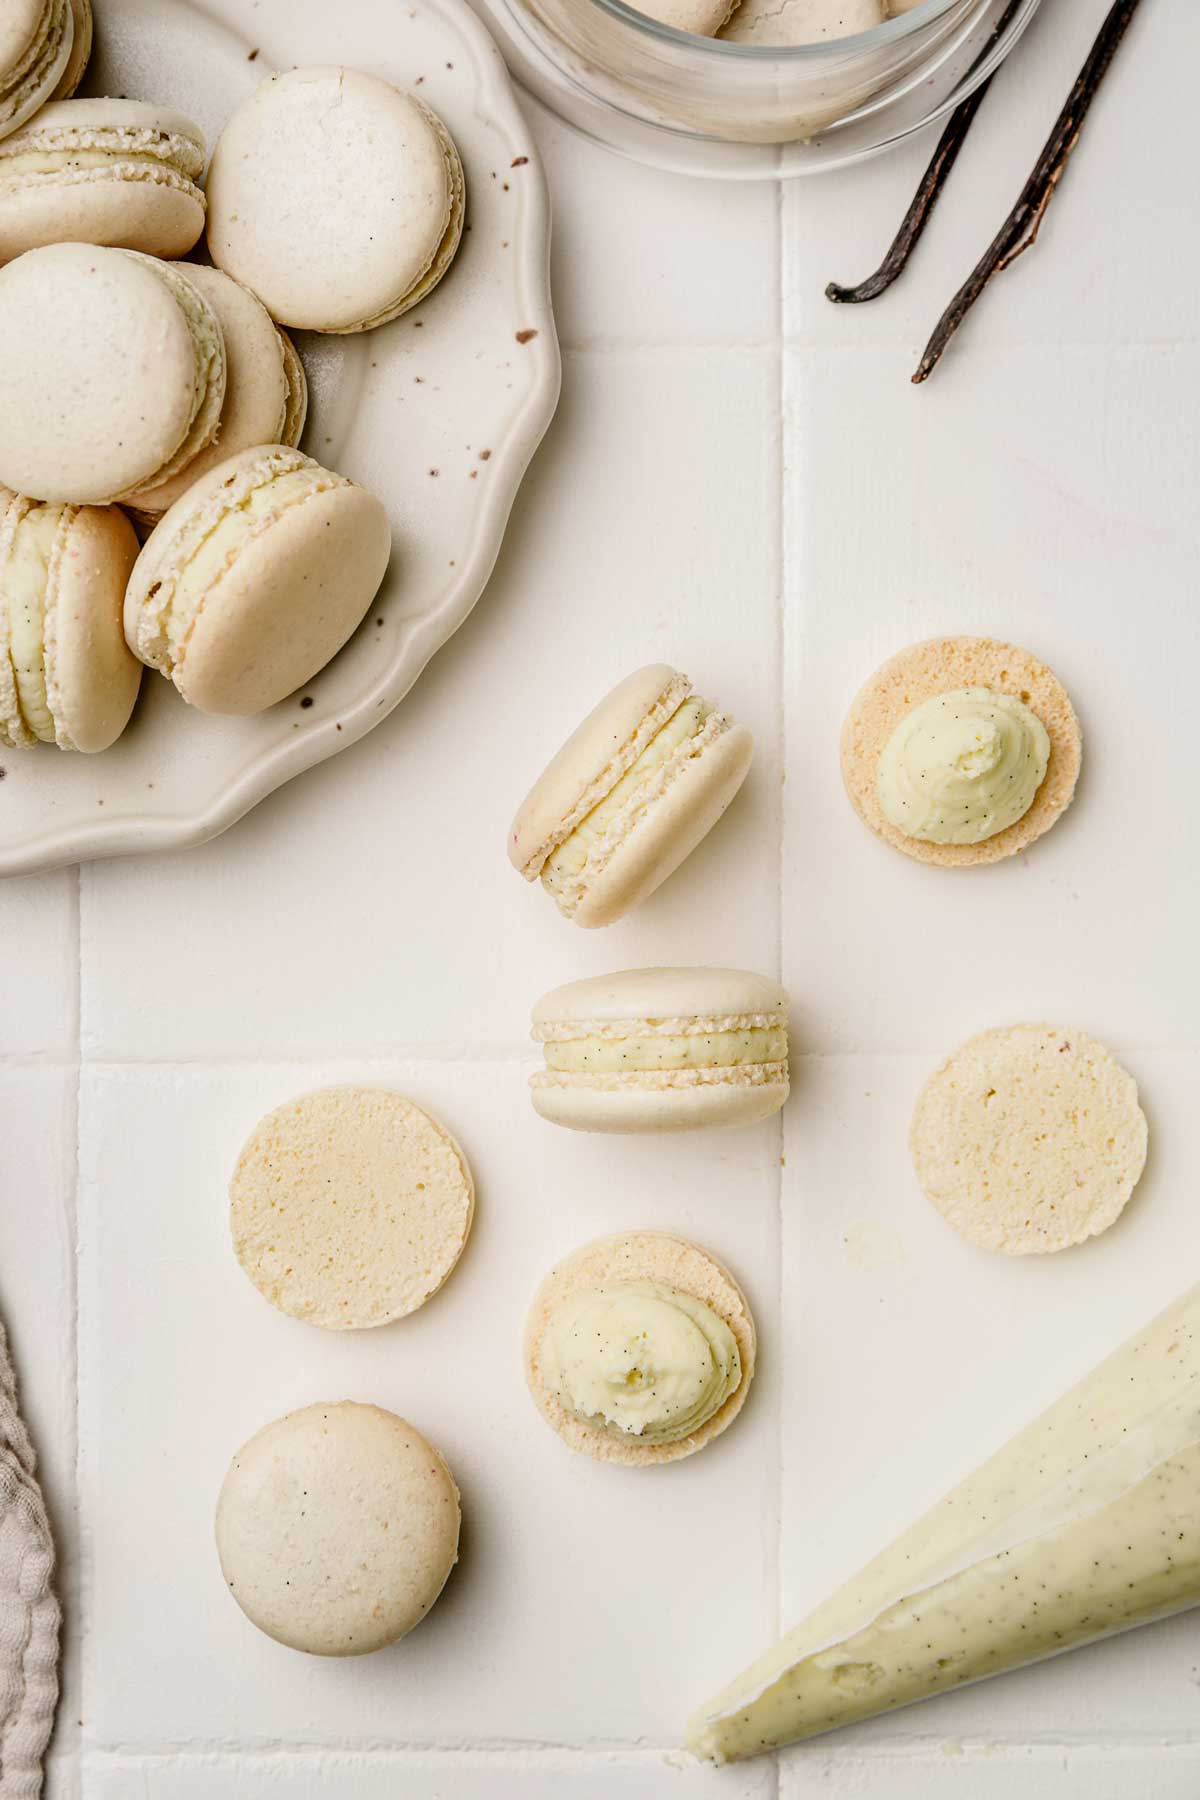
183,1360
727,440
39,930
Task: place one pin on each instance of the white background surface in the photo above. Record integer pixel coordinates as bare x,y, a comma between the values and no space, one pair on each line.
740,480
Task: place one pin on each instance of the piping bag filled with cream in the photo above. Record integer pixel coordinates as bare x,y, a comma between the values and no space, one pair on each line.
1086,1524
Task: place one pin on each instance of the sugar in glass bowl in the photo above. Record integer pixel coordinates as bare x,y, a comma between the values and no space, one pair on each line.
724,108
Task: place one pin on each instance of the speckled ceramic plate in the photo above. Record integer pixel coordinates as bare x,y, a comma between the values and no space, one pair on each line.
438,412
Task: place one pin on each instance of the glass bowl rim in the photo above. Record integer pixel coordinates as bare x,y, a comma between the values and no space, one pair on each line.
891,31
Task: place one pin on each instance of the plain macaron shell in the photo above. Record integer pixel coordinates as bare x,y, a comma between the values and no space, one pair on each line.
91,679
637,1002
100,376
265,398
290,592
37,38
337,1528
126,175
335,197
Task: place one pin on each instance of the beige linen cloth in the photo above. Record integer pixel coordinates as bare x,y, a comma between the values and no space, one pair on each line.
29,1614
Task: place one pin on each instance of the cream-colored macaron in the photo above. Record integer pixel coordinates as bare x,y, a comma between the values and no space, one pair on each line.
670,1265
337,1528
255,579
943,666
66,676
801,21
1029,1138
112,377
350,1206
630,794
81,51
266,393
662,1050
36,41
336,197
117,172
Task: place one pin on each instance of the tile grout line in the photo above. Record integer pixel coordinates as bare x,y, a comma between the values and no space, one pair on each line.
781,728
69,1731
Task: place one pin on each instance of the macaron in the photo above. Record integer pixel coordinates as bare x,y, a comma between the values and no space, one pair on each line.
81,51
623,1349
255,579
113,374
36,40
66,676
102,172
662,1050
630,794
336,197
349,1207
337,1528
894,723
1029,1138
801,21
266,394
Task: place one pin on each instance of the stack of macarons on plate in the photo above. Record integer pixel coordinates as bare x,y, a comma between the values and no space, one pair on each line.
166,293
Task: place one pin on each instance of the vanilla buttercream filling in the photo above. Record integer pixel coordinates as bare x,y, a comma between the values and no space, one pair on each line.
26,579
962,766
710,1050
639,1360
125,156
570,859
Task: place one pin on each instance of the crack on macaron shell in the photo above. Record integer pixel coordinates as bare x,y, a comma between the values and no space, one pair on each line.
571,892
618,765
160,639
209,391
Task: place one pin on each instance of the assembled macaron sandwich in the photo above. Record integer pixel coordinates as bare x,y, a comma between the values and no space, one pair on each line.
66,676
37,41
629,795
662,1050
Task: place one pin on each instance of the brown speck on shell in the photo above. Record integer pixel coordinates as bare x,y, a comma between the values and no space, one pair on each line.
253,56
307,700
484,455
518,162
523,337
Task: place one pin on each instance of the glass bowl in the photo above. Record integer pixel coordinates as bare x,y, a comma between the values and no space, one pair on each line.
705,106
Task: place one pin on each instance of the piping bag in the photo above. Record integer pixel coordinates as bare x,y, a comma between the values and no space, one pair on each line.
1085,1524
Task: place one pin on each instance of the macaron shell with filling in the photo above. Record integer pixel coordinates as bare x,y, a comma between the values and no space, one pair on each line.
97,351
673,1262
942,666
257,385
81,50
133,199
669,830
333,195
36,41
92,677
592,761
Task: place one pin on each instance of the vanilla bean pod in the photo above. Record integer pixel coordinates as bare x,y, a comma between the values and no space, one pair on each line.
932,182
1020,230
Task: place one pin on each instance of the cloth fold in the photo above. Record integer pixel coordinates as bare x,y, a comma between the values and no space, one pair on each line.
29,1610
